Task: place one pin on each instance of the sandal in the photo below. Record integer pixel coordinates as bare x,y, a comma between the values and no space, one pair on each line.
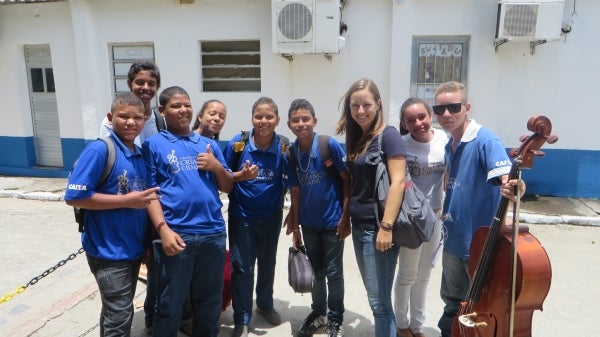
404,333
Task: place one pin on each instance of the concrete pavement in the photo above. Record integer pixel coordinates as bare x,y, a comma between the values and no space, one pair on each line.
39,239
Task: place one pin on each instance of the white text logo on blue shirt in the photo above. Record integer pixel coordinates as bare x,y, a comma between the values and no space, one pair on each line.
77,187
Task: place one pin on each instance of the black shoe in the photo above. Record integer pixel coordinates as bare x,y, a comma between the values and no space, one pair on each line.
270,316
335,329
313,323
240,331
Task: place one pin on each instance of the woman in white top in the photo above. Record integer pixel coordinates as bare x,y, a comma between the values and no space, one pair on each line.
425,162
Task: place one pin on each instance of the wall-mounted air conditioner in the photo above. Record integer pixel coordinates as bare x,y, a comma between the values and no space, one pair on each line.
529,20
306,26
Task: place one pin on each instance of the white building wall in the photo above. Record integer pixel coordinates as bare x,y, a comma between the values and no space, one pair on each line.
509,85
506,86
82,64
35,24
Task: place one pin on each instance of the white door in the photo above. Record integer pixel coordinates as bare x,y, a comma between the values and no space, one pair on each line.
44,111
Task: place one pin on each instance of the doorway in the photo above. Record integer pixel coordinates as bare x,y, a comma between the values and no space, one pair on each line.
44,110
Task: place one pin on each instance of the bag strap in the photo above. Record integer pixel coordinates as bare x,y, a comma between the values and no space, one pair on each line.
238,154
284,144
110,160
108,167
377,183
160,120
407,182
324,152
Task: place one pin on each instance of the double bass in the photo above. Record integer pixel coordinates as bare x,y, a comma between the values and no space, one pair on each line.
512,275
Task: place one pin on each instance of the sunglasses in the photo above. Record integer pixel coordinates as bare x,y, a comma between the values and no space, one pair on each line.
453,108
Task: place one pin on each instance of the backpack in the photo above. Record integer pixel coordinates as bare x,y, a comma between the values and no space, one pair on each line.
325,152
108,167
238,147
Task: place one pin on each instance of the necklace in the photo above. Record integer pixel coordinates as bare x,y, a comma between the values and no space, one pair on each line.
303,170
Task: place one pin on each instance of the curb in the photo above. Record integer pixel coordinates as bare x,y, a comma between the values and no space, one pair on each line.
43,196
540,219
530,218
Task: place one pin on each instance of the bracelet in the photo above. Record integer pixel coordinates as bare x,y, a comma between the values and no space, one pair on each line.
386,226
159,226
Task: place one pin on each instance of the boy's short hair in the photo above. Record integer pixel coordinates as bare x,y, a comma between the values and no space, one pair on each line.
301,103
267,101
168,93
138,66
127,98
450,87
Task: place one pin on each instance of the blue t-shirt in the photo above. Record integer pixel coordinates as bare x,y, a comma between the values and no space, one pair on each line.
320,193
112,234
473,190
263,195
189,196
362,204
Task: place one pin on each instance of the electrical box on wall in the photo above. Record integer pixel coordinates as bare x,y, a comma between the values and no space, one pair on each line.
529,20
306,26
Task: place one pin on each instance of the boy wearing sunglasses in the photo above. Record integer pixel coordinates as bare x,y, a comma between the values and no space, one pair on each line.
476,166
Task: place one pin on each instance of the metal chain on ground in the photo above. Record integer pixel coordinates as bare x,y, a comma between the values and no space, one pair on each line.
35,280
89,330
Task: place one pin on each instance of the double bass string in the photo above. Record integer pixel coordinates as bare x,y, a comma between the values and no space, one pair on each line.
513,295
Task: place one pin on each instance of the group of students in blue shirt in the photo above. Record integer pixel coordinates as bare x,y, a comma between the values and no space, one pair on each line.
173,182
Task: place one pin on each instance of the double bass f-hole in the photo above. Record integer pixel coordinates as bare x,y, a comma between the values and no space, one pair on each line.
510,270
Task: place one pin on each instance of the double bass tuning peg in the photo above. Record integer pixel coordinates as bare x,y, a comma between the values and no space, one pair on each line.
551,139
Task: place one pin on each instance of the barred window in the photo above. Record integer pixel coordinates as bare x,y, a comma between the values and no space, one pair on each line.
437,60
230,66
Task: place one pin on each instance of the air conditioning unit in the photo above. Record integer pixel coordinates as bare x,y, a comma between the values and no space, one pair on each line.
529,20
306,26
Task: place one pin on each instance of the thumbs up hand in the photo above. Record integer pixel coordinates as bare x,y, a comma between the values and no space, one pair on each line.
248,172
207,161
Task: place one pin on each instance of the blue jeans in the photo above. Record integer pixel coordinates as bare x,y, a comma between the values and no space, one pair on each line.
117,281
253,241
455,284
325,252
197,270
377,270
